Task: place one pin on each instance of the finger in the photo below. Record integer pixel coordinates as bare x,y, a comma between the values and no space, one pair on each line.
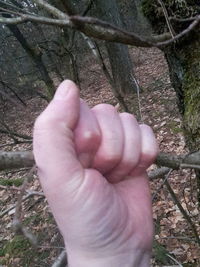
132,148
87,135
149,149
110,150
53,143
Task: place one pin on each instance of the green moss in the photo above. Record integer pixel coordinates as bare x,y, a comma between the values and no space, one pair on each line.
20,248
191,88
32,219
16,247
174,127
10,182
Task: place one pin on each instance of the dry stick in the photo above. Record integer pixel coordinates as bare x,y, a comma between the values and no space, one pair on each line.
184,213
61,261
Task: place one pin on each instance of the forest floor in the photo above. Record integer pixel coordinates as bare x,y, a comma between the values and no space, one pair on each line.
175,242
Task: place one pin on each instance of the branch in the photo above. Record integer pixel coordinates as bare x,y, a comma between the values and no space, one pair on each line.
52,10
12,160
181,34
96,28
20,159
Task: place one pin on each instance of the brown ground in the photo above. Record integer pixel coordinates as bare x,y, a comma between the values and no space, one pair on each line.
158,109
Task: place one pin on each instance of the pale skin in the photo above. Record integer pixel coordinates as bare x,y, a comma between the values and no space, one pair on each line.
92,166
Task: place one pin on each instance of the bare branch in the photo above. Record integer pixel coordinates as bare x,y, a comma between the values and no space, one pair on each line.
105,31
171,30
183,19
181,34
96,28
53,10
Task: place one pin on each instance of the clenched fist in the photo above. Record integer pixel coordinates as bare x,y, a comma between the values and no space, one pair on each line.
92,166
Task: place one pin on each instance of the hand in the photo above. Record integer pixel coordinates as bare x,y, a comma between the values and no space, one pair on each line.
92,166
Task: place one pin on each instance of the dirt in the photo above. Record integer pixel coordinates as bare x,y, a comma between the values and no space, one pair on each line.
158,109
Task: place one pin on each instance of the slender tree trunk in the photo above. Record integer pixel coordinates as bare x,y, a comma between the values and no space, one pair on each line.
119,57
36,57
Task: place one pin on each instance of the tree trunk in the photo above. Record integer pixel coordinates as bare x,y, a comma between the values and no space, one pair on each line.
120,60
133,18
184,69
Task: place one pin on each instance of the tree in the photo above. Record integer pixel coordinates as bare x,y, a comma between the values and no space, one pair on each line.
183,62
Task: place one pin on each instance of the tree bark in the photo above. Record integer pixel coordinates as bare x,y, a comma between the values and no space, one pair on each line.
184,69
119,57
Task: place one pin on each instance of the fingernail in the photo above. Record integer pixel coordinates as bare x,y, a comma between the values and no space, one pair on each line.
62,91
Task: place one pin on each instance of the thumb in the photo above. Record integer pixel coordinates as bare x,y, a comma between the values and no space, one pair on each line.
53,144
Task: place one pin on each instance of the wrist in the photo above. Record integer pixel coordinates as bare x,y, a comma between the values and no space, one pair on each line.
134,259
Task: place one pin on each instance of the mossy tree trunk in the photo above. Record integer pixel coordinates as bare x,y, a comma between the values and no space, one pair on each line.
184,68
